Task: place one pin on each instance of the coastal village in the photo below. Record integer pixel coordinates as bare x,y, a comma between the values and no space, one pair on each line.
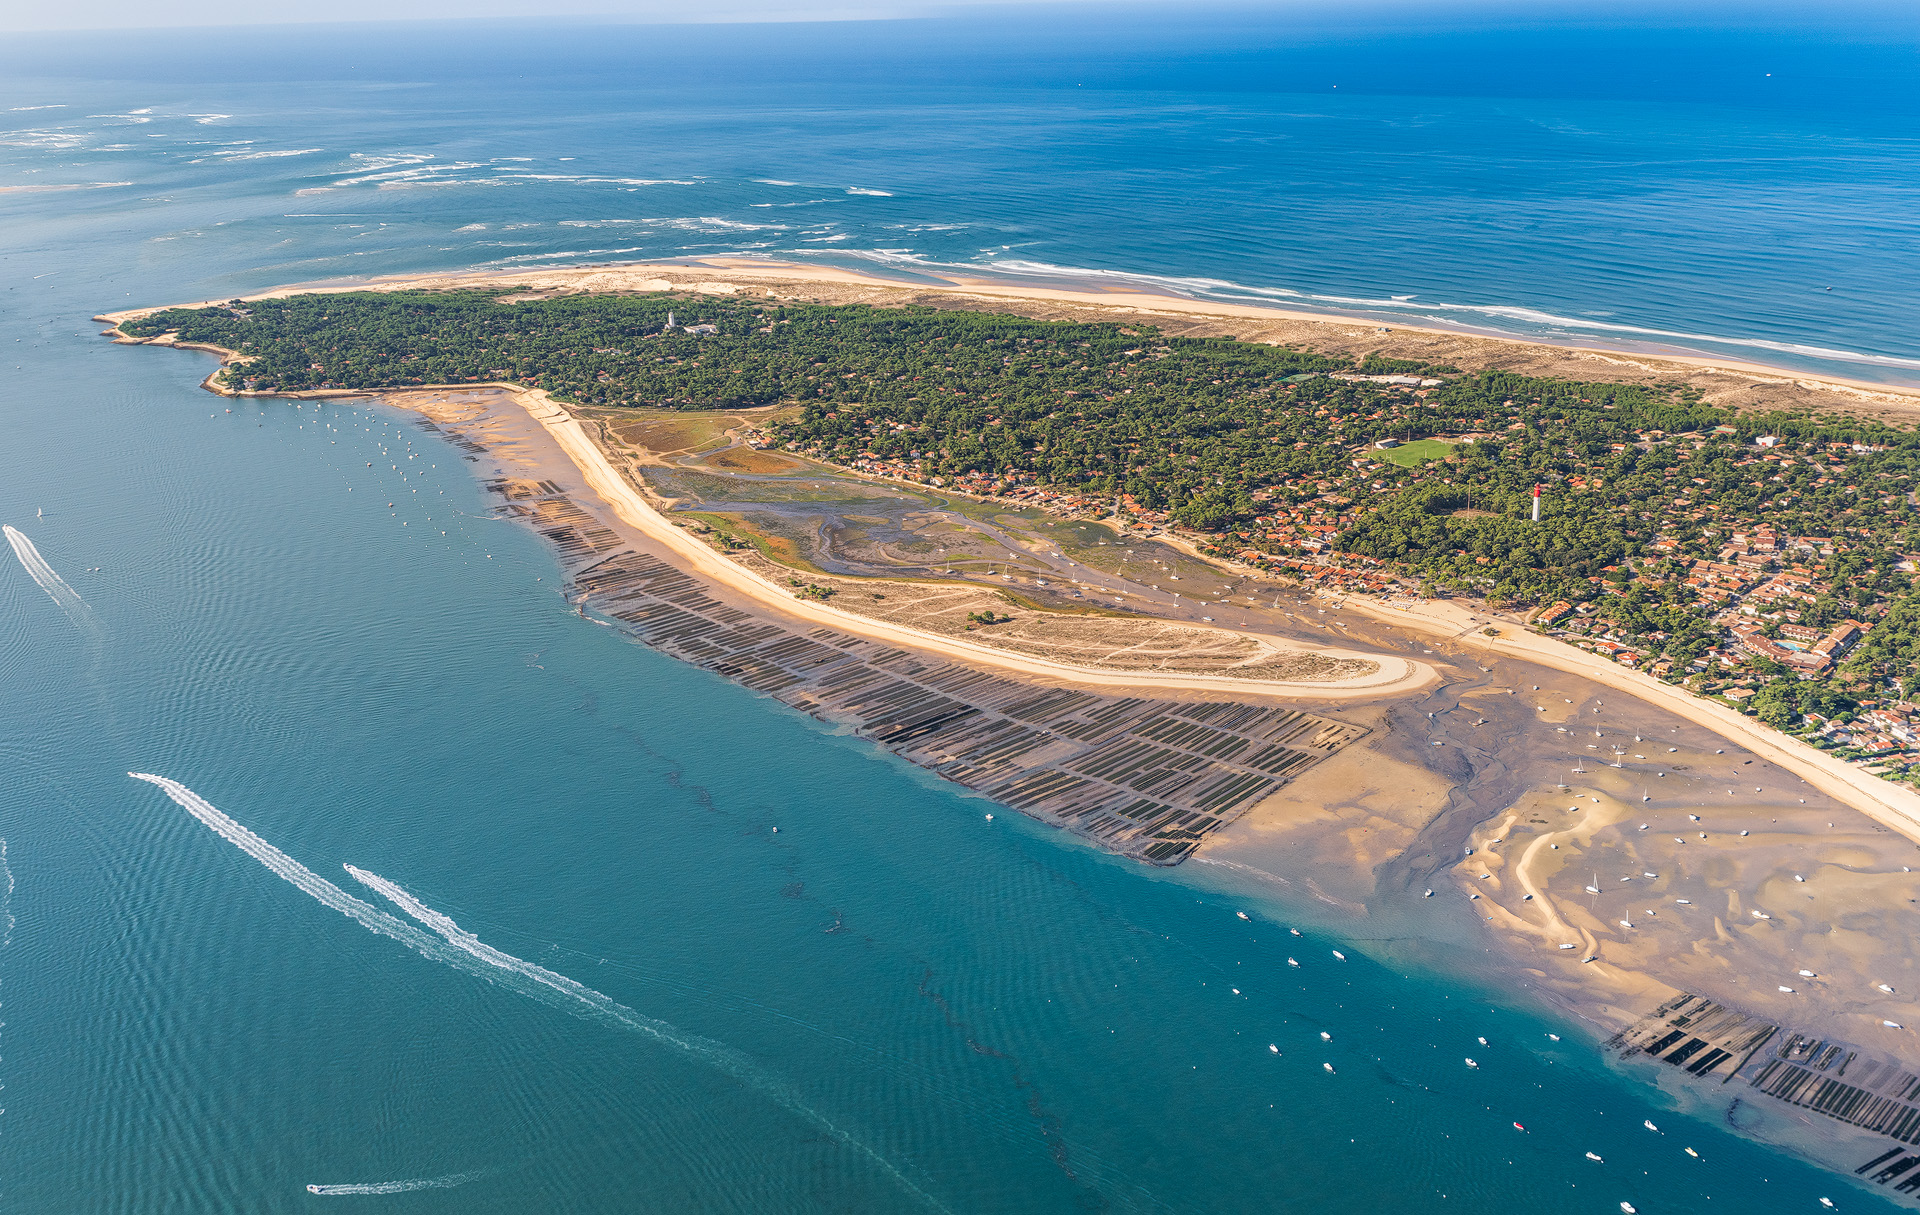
1756,587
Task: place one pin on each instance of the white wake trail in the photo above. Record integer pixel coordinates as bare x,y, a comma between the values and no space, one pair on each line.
725,1058
395,1187
366,914
50,581
460,949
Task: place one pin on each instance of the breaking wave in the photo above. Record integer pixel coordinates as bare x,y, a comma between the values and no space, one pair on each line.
1498,318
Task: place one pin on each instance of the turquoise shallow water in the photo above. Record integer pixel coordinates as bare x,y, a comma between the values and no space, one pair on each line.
888,1004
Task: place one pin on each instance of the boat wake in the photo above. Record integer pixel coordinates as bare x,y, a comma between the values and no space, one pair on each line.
394,1187
51,582
452,945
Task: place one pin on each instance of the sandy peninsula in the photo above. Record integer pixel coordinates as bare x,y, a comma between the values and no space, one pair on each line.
1549,820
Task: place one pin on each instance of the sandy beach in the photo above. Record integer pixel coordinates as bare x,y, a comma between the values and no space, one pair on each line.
1391,813
1722,381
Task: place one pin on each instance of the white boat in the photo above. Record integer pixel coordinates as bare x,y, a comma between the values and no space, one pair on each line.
1594,1158
1243,915
1471,1063
1628,1208
1325,1036
1341,956
1291,962
1650,1126
1273,1048
1693,1153
1328,1066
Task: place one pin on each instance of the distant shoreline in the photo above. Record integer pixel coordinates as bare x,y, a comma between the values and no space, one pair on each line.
1136,301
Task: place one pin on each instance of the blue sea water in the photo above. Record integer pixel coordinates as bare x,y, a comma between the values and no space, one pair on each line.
889,1004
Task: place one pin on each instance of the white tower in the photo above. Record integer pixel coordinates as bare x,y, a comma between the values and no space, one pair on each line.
1536,504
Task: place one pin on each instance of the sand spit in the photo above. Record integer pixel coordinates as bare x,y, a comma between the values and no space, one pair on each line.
1321,673
1728,382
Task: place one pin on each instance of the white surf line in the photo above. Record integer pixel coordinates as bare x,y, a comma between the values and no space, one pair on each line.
394,1187
605,1008
50,582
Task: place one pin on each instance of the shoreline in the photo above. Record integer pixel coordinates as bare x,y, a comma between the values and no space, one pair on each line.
615,277
1392,676
1607,998
1885,802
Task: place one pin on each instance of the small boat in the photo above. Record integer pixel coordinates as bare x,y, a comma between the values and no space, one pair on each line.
1594,1158
1243,915
1518,1127
1650,1126
1827,1202
1294,931
1291,962
1472,1064
989,818
1325,1036
312,1189
1328,1066
1427,895
1693,1153
1555,1037
1273,1048
1628,1208
1341,956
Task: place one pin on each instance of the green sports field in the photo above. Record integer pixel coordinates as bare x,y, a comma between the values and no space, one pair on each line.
1417,452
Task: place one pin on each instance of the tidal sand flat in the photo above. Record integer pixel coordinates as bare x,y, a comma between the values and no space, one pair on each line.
1368,813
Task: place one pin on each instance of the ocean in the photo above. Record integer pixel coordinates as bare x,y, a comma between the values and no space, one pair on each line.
580,970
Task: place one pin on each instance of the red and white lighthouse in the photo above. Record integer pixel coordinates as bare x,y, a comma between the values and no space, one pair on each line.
1536,504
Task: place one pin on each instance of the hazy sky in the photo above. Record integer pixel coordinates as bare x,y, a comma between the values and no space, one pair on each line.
26,15
20,15
138,14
